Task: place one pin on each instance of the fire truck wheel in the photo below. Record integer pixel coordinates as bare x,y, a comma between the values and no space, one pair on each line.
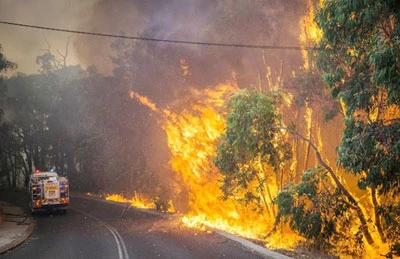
64,211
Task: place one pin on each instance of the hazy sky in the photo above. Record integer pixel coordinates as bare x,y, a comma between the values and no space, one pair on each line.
23,45
273,22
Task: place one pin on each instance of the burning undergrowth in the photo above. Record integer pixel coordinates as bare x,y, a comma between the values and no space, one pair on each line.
196,120
192,137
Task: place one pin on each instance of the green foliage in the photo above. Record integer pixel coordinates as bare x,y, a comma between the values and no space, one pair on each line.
372,149
360,51
359,55
395,249
360,59
390,212
252,139
308,88
317,214
293,202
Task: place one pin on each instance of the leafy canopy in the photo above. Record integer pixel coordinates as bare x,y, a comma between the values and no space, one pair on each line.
251,140
359,57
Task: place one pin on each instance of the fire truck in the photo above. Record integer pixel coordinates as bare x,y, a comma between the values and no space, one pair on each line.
48,191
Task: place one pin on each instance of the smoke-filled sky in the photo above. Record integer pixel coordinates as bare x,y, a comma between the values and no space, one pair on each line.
268,22
23,45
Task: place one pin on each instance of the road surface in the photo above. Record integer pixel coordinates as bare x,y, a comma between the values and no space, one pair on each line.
96,229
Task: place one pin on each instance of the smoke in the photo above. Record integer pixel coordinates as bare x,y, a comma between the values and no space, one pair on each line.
168,74
171,74
257,22
23,45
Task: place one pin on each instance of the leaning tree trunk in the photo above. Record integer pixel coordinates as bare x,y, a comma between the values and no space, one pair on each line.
360,214
352,201
378,222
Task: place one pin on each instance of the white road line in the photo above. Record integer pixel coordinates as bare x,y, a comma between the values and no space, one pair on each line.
122,251
125,251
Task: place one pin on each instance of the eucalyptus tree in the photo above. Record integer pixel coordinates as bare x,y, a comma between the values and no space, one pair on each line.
5,133
252,149
256,144
359,56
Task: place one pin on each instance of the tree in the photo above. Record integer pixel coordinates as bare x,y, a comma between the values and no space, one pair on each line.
318,210
5,64
247,149
255,141
44,122
359,56
5,132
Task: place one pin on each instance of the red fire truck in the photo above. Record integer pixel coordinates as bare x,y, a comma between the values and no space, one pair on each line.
48,191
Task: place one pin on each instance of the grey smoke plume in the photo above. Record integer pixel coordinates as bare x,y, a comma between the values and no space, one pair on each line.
23,45
248,22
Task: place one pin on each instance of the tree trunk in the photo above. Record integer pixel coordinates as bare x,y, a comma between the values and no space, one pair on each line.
266,187
306,158
356,206
378,222
360,214
263,196
35,155
307,154
12,172
297,146
42,158
25,170
6,169
29,159
71,170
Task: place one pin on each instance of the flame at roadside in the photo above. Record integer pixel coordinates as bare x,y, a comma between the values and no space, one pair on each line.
136,201
192,139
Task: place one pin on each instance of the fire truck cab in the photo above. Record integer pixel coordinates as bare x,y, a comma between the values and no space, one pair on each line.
48,191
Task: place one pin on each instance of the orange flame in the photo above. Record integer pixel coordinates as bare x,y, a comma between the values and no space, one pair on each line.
309,31
143,100
136,201
192,136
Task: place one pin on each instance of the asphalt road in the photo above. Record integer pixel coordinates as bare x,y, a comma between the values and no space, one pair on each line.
98,229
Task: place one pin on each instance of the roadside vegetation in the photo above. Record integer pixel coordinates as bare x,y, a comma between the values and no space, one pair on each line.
358,58
316,150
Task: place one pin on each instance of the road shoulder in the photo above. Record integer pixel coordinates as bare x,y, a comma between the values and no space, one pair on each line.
16,226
